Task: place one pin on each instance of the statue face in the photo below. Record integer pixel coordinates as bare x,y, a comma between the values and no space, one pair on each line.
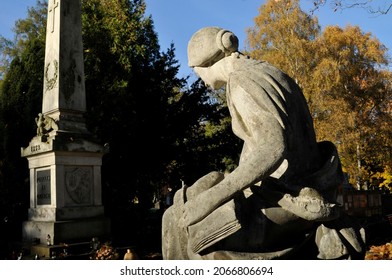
209,77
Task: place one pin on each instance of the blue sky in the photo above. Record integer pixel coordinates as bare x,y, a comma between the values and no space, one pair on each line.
176,20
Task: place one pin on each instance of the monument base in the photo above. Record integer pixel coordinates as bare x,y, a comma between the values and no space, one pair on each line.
46,214
66,231
42,251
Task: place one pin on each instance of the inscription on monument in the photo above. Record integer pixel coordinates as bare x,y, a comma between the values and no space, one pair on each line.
35,148
43,187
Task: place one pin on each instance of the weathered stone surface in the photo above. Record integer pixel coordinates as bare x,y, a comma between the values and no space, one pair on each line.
340,238
64,88
285,184
66,231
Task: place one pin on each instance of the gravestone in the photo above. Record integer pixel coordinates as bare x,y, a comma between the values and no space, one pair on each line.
64,160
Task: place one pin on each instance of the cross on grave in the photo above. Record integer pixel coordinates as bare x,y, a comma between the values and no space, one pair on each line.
53,9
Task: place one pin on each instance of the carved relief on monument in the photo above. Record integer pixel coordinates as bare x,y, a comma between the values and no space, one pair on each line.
51,74
52,12
45,125
78,185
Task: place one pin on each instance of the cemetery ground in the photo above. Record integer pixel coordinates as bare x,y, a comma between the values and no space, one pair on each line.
140,231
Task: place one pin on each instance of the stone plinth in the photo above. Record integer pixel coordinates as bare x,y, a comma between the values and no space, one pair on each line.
66,231
65,189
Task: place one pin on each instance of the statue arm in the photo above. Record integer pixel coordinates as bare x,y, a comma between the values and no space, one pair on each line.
265,136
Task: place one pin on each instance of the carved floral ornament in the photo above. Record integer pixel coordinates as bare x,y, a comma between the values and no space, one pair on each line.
51,74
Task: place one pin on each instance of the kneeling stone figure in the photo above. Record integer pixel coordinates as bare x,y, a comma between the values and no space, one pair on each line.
283,193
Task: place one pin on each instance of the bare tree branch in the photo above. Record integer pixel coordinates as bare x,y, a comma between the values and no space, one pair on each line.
373,7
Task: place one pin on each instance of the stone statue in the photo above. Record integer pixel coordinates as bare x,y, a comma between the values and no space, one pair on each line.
283,193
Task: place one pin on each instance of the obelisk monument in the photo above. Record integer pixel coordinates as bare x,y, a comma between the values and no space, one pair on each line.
64,160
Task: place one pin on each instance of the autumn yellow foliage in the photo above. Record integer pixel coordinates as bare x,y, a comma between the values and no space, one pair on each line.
345,76
382,252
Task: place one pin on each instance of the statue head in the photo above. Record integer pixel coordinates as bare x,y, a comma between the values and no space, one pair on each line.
209,45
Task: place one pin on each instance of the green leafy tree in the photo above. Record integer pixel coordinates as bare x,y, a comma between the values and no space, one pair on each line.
154,126
20,100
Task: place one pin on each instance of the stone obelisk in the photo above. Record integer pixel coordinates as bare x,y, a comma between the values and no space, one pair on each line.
64,160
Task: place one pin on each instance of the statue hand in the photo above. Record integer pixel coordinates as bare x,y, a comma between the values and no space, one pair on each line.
193,213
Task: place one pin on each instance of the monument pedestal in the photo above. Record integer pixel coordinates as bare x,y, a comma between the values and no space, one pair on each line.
65,190
67,231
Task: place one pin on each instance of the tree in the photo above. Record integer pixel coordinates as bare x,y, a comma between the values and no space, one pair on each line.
284,35
344,76
20,102
154,126
352,85
5,45
157,132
